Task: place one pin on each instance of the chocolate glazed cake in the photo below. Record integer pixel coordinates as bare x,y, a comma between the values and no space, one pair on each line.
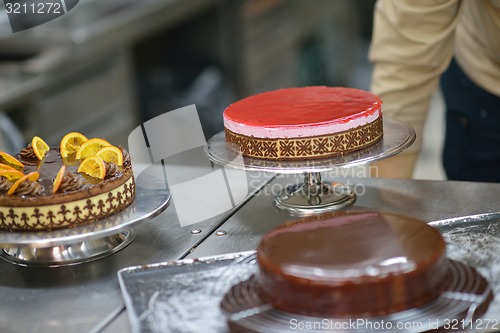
352,264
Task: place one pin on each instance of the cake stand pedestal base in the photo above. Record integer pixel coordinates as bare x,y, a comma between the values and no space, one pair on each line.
314,196
68,254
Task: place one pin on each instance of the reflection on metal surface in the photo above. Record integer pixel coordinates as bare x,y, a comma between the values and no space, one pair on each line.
80,252
314,196
180,296
220,233
196,231
177,138
475,240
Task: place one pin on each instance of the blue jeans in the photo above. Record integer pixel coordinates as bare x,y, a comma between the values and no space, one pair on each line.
472,141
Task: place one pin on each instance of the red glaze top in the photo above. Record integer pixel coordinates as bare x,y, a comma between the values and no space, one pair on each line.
303,106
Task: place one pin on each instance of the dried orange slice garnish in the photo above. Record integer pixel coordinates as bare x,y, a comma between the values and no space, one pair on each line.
58,180
10,160
111,154
93,166
5,167
33,176
40,147
11,174
71,142
90,148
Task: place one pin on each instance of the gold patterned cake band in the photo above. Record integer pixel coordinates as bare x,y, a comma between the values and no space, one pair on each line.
70,213
309,147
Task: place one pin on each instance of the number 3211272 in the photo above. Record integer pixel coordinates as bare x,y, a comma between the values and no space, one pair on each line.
475,324
34,8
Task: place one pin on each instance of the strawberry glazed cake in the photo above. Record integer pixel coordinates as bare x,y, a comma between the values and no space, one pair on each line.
304,123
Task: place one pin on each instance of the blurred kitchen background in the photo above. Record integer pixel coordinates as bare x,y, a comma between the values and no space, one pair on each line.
107,66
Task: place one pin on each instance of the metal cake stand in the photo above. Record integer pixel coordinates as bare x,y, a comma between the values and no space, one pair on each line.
315,195
85,243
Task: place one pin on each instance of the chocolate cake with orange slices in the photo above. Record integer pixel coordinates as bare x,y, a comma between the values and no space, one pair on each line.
81,181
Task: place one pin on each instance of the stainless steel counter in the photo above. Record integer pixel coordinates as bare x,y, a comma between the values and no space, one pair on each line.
427,200
87,297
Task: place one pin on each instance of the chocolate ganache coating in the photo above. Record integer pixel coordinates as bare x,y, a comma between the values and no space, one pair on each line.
40,191
79,198
351,264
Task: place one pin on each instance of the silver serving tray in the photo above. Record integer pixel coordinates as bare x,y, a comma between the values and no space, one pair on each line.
181,296
186,295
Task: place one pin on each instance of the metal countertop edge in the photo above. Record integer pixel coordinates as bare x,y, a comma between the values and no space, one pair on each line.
226,217
466,218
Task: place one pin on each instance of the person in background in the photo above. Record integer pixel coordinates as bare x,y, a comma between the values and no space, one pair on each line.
417,44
